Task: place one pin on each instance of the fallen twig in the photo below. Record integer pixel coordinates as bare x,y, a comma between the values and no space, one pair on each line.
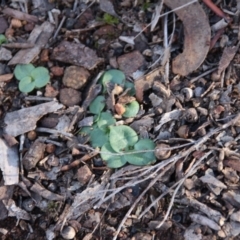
18,45
78,161
20,15
192,171
139,198
216,9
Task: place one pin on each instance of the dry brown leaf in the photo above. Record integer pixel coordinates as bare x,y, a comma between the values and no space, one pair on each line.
120,109
20,15
125,99
227,56
197,34
107,6
6,77
144,83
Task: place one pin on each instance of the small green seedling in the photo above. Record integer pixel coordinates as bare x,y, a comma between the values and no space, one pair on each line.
131,109
145,6
114,76
119,144
109,19
123,147
3,39
30,77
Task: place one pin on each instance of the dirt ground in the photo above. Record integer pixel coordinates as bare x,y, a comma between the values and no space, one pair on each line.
119,119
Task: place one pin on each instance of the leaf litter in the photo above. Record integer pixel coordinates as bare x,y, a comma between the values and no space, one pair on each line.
113,68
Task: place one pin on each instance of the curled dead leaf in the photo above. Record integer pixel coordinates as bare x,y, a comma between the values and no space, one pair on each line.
183,131
120,109
197,35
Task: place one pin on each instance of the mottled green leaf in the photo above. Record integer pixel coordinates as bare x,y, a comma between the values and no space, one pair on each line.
98,137
142,158
26,85
113,161
23,70
105,121
131,86
97,105
41,77
122,137
114,76
131,109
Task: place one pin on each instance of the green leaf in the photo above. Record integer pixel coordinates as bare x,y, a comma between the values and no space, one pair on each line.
122,137
96,118
26,85
3,39
113,161
105,120
41,76
23,70
131,109
97,105
114,76
143,158
131,86
98,137
144,144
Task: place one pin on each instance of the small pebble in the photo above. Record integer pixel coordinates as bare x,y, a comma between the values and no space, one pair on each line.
32,135
84,174
75,77
130,62
70,97
57,71
50,91
50,148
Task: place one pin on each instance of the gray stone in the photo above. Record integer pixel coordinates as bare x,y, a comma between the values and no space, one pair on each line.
5,54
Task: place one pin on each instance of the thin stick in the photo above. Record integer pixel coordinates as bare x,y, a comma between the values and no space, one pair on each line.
140,151
203,74
167,50
155,169
80,14
179,185
59,27
173,10
216,9
38,98
138,199
216,37
18,45
53,131
163,164
75,163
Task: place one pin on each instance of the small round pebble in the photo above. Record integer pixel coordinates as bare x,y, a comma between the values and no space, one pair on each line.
75,77
32,135
70,97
